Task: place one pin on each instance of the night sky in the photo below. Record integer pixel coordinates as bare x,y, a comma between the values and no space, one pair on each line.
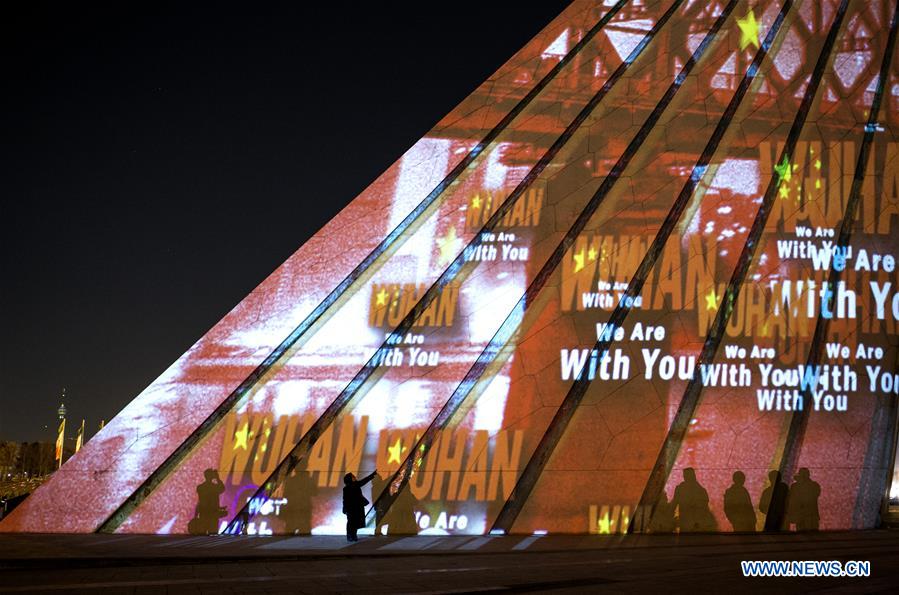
159,164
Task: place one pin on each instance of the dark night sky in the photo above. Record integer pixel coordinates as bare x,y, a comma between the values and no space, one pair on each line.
157,165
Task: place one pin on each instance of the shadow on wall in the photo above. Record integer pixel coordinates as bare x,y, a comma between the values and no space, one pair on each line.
688,511
209,510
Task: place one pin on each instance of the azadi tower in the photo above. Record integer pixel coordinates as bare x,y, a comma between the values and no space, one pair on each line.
642,279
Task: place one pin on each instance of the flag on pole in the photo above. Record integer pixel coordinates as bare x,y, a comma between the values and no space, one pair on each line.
80,438
59,438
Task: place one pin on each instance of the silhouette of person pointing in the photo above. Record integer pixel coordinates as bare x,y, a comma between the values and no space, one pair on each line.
354,503
738,505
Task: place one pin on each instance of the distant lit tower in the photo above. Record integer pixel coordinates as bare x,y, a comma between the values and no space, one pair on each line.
62,406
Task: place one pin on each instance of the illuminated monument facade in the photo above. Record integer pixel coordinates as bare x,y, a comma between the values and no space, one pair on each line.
645,269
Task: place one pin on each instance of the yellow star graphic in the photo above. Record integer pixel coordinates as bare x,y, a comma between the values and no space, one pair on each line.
240,437
591,253
605,527
817,164
447,245
395,452
711,300
784,191
476,202
818,184
749,30
382,297
578,261
783,170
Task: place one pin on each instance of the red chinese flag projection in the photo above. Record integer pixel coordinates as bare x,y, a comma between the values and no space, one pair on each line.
642,279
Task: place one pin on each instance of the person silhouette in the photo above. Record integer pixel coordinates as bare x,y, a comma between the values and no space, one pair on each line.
209,511
400,518
298,489
773,503
691,501
738,505
803,502
378,485
354,503
662,517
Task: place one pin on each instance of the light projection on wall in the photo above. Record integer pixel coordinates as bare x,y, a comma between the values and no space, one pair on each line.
643,279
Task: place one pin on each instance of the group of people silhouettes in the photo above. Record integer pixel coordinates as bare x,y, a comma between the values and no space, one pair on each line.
784,507
787,506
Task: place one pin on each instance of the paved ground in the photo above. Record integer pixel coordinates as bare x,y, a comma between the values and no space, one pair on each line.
658,564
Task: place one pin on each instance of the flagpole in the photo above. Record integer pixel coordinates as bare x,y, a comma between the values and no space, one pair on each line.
60,442
79,440
60,437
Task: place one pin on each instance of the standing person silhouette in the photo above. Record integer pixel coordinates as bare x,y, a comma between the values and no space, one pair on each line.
209,511
692,503
802,502
298,488
400,518
738,505
773,503
354,503
663,516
